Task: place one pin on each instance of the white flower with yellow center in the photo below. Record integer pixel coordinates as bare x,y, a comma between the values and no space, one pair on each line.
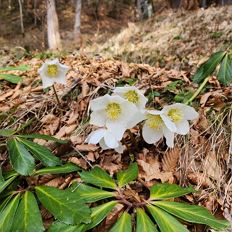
107,139
112,112
154,129
52,71
176,117
134,96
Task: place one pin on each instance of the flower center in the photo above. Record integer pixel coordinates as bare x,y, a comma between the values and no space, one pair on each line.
113,110
176,115
52,70
132,96
154,121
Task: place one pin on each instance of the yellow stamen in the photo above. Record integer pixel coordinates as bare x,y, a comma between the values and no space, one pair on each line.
154,121
176,115
113,110
132,96
52,70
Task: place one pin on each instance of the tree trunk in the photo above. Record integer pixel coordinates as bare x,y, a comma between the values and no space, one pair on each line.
145,9
77,25
54,41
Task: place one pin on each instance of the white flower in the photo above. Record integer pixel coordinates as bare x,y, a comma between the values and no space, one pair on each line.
176,117
112,112
133,95
154,129
53,71
107,139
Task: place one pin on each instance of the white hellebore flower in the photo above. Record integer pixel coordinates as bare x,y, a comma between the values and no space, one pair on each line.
154,129
176,117
52,71
112,112
107,139
133,95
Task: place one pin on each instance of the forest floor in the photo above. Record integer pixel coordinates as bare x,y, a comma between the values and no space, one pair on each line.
172,44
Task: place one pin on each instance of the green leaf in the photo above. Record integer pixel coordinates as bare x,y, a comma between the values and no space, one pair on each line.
143,222
61,227
27,216
19,68
41,153
12,78
99,213
207,68
45,137
165,221
7,215
20,158
166,191
66,168
6,132
225,71
98,177
64,205
123,224
6,183
2,180
5,202
90,194
193,213
124,177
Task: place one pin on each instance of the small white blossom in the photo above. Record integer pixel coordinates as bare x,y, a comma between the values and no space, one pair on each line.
176,117
154,129
52,71
133,95
113,112
107,139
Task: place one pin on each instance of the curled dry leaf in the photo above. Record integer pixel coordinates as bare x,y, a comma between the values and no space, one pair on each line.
170,159
56,182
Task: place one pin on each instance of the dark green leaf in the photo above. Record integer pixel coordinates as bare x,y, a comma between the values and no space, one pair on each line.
20,158
98,177
7,215
27,216
165,221
12,78
6,183
61,227
225,71
64,205
6,132
41,153
193,213
166,191
5,202
45,137
124,177
2,180
99,213
123,224
207,68
19,68
66,168
143,222
90,194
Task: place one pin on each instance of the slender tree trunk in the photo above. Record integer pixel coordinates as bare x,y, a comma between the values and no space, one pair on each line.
21,16
54,41
77,25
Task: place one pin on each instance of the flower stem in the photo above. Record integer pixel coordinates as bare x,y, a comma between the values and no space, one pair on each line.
56,95
198,91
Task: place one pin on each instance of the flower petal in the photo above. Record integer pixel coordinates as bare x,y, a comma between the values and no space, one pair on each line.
47,81
151,136
189,112
135,119
97,118
169,136
169,124
99,103
95,136
119,149
110,140
116,129
103,145
182,127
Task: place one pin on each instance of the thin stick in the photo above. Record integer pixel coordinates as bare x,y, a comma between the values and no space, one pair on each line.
57,98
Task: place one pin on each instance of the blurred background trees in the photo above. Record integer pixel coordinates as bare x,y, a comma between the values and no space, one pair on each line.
44,16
